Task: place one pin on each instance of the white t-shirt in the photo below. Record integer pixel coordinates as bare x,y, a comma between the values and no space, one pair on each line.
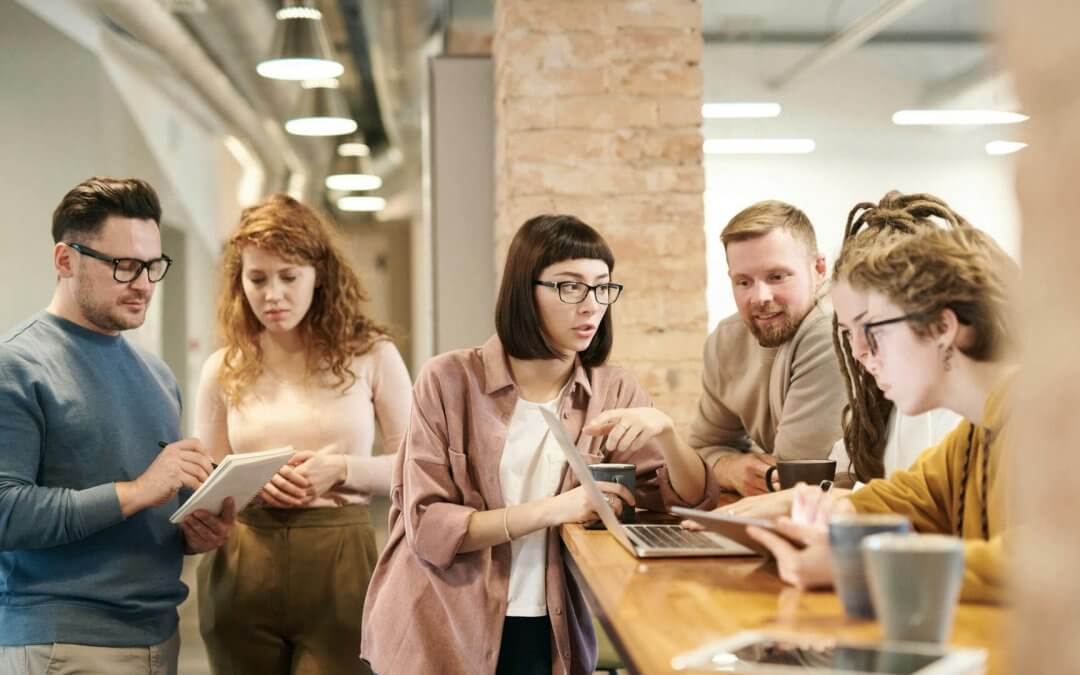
908,437
530,469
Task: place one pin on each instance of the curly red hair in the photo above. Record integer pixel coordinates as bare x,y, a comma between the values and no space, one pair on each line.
334,329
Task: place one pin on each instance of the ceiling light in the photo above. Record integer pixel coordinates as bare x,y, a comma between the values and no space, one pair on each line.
357,203
352,172
759,146
320,111
299,49
1004,147
969,117
714,111
348,182
353,149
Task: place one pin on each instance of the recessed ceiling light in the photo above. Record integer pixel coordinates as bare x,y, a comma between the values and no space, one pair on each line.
948,117
1004,147
715,111
759,146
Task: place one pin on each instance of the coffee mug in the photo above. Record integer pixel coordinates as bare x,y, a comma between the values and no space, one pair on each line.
623,474
915,582
794,471
846,533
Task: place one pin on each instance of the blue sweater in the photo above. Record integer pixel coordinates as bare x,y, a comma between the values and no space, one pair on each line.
80,411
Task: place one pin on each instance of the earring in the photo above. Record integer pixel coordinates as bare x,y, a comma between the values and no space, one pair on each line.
947,359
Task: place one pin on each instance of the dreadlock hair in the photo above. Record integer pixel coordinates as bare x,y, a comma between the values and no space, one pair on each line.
873,226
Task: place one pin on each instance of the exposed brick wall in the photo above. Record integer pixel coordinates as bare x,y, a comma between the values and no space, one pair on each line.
598,114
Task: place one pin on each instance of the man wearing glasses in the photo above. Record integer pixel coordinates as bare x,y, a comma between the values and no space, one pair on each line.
772,388
89,563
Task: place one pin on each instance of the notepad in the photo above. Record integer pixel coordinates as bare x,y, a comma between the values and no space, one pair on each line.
239,476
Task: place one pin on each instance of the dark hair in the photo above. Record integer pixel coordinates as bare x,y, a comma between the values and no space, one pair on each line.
83,210
540,242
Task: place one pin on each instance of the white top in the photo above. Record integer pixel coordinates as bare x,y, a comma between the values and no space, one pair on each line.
530,469
908,437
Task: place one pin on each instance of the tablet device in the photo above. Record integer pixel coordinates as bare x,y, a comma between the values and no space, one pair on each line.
734,527
753,652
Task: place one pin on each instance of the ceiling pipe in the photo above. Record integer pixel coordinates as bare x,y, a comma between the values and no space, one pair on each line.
162,32
858,33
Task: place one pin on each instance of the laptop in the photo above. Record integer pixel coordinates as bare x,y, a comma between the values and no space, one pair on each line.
641,540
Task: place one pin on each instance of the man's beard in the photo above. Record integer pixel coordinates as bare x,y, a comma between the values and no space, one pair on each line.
775,332
108,317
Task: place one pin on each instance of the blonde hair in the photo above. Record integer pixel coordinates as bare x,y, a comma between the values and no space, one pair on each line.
761,218
875,227
961,270
334,329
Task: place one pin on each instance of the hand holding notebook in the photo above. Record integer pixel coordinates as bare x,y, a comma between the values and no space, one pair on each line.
239,476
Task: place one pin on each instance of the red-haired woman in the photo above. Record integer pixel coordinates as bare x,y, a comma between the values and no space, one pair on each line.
301,366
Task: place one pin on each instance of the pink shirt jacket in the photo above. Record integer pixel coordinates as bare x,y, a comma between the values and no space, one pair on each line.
431,609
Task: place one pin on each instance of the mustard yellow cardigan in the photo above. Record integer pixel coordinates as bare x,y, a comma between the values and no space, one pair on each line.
929,494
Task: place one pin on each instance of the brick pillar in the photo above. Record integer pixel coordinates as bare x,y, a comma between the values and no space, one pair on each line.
598,114
1044,56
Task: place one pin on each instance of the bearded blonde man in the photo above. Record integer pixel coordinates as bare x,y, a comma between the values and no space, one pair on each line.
772,388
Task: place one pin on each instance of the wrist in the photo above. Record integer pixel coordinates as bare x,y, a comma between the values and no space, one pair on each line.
669,438
342,469
551,516
128,493
721,470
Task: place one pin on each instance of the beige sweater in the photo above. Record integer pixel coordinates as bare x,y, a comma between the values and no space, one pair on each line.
316,415
786,400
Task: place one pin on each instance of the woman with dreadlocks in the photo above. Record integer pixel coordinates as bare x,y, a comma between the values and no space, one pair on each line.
937,333
878,440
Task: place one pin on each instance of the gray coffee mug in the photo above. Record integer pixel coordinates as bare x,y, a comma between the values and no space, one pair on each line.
795,471
915,582
623,474
846,533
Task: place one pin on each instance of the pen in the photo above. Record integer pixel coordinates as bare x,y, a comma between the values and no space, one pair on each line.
163,445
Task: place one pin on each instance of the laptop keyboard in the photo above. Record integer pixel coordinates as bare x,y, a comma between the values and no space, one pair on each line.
672,536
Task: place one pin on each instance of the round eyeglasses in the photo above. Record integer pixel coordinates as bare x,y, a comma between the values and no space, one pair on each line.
127,270
575,292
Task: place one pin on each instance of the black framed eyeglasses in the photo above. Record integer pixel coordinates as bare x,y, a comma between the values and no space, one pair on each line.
575,292
871,340
127,270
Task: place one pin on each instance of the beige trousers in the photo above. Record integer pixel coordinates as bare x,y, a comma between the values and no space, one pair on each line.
69,659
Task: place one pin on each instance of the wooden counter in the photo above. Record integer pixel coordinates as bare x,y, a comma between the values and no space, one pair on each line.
654,609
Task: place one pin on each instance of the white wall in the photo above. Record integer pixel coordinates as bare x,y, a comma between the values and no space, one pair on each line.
462,162
72,110
846,107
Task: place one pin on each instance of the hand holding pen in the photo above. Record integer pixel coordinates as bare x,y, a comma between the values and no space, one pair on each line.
163,445
185,463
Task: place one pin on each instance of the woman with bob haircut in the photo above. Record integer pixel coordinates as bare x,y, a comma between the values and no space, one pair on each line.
472,579
939,333
301,366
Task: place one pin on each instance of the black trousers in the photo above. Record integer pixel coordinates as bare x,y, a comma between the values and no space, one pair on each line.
525,647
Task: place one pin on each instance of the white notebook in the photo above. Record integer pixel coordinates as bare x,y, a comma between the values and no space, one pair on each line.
239,476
